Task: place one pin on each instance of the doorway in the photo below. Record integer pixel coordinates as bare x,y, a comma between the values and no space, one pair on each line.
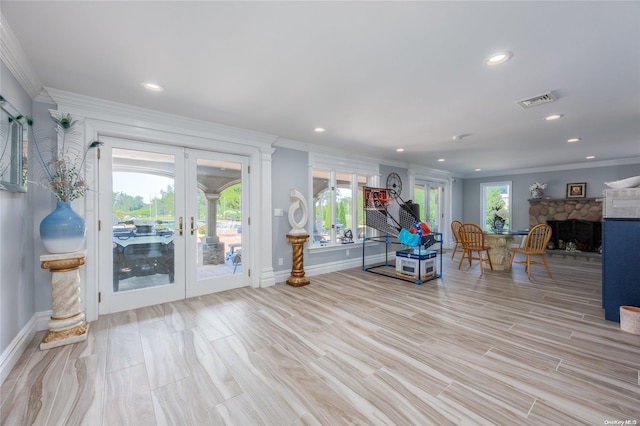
430,197
177,217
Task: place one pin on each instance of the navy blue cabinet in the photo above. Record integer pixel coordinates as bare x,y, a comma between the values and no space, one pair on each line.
620,265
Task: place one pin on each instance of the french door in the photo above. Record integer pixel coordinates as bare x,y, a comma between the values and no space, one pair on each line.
430,196
172,223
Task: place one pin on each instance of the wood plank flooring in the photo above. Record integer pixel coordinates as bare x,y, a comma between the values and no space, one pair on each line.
351,348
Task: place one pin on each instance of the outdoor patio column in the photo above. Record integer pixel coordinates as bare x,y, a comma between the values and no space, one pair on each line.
212,212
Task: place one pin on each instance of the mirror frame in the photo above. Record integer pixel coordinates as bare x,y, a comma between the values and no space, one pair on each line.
13,148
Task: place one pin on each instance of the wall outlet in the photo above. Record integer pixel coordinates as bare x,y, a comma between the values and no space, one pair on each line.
347,252
280,261
277,212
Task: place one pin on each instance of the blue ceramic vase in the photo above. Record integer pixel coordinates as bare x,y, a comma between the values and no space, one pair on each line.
64,230
537,193
498,226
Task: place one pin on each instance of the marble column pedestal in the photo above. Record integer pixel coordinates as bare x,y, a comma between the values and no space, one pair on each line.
67,323
297,278
498,250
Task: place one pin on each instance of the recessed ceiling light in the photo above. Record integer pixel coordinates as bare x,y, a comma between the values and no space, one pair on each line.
400,150
441,159
152,86
574,140
460,137
553,117
499,58
319,130
477,170
590,157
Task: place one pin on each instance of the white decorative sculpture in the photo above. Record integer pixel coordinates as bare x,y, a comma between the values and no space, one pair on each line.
298,227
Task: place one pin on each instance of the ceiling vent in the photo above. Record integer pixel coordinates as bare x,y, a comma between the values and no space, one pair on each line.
537,100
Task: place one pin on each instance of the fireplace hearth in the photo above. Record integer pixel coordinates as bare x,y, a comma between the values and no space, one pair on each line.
587,235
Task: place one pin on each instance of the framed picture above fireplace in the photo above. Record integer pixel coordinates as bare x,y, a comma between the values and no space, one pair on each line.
576,190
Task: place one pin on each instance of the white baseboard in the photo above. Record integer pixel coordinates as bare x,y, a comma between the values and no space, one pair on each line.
10,356
16,348
42,320
324,268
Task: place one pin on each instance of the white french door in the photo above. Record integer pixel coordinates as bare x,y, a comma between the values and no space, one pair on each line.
430,196
171,223
216,200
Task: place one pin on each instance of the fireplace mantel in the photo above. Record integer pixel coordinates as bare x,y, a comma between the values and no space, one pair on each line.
567,200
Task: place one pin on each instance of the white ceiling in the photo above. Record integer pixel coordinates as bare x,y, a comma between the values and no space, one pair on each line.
376,75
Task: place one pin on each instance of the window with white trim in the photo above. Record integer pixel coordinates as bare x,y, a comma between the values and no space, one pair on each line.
338,216
494,195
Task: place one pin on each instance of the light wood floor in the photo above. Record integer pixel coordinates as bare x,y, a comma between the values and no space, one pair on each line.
351,348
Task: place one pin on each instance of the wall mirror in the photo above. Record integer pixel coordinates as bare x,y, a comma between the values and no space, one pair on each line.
13,148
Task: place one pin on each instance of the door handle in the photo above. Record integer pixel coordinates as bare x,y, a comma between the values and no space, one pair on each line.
192,228
180,226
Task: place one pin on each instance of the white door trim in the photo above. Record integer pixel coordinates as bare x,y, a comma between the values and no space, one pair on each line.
105,118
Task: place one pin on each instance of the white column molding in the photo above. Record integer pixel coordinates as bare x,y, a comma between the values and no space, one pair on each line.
91,270
264,221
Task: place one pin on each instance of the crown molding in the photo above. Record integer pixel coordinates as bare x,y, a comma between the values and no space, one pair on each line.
394,163
323,151
292,144
13,56
422,172
115,112
361,165
574,166
43,97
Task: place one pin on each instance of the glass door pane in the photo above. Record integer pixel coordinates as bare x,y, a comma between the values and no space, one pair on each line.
429,195
435,207
420,198
344,205
322,201
363,230
217,252
143,191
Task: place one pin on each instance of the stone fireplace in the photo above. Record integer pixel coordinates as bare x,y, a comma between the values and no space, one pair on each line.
572,220
586,235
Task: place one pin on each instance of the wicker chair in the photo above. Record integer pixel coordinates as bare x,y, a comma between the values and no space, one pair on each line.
472,238
537,241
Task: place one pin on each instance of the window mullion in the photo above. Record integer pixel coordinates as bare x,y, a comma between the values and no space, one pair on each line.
334,204
354,205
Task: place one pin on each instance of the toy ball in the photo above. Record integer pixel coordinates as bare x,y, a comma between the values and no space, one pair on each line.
420,228
425,228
